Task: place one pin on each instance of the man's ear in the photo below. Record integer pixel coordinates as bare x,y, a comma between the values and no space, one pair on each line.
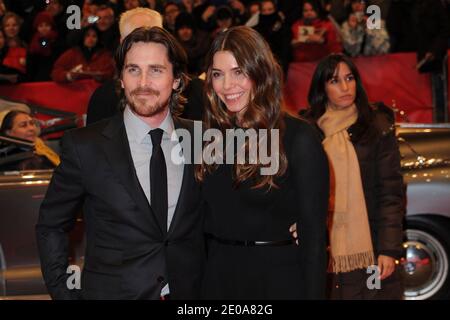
176,84
121,84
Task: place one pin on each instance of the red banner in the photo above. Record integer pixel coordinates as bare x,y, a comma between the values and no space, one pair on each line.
73,97
390,78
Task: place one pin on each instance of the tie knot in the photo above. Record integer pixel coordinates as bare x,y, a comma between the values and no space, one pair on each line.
156,136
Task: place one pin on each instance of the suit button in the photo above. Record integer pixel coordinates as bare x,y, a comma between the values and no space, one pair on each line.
160,279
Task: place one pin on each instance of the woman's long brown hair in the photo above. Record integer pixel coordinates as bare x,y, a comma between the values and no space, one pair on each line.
264,111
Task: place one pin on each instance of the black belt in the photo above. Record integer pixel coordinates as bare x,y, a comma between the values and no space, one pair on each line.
249,243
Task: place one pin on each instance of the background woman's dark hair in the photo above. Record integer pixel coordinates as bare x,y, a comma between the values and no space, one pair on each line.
318,99
317,7
84,32
8,121
176,56
89,52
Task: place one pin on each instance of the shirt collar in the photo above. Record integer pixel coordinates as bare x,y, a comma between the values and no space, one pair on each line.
138,130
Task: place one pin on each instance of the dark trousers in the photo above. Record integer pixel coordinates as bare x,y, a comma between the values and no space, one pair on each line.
353,286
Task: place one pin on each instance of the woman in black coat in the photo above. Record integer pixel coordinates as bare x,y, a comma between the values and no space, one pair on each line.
366,203
252,202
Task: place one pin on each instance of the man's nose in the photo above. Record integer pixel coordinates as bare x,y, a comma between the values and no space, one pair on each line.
144,79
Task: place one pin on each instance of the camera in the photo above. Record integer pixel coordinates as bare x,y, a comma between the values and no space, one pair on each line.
92,19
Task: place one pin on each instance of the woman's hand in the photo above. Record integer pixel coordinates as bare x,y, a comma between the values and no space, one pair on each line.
293,231
386,266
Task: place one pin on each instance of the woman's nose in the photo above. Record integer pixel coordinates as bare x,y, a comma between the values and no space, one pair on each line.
227,82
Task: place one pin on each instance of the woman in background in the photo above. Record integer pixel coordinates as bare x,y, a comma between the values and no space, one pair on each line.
19,124
88,60
17,52
366,203
313,37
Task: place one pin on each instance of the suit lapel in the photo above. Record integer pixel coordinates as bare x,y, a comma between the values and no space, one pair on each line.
118,154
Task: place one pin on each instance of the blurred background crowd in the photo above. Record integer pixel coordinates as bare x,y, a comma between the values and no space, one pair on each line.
37,45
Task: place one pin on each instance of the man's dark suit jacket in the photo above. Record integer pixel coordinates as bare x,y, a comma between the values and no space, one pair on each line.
104,102
128,254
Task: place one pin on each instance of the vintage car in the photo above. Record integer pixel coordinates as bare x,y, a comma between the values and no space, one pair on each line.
425,153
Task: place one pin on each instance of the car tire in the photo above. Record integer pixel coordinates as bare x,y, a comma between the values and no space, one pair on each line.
426,267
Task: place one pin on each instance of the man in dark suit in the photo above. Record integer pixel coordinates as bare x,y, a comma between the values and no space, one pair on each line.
104,102
142,209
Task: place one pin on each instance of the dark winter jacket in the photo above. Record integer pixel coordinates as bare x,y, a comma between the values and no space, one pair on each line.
379,163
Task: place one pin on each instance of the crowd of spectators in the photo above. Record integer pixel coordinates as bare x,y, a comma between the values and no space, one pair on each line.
37,45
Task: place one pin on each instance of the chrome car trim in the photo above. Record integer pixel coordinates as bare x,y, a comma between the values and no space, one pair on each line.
25,183
424,125
28,297
425,266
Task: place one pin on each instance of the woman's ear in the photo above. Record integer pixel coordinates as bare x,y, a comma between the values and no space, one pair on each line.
176,84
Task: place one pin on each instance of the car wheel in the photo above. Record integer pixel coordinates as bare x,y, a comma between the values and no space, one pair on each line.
426,264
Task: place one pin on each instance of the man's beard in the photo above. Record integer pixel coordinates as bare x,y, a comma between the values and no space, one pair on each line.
141,108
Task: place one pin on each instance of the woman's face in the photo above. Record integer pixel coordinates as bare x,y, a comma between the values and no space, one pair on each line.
185,33
24,127
341,88
224,24
230,83
170,14
90,39
44,29
309,12
254,9
54,7
11,27
131,4
267,8
358,6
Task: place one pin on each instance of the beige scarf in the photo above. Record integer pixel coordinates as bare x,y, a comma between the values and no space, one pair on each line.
348,225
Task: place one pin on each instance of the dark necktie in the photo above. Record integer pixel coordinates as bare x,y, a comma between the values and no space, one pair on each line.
158,179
